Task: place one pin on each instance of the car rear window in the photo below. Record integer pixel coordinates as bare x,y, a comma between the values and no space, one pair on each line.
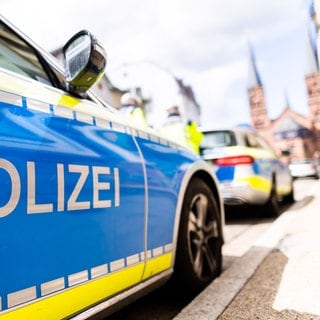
218,139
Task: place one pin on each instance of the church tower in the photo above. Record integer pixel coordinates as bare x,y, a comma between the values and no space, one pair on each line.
258,111
312,75
297,133
312,81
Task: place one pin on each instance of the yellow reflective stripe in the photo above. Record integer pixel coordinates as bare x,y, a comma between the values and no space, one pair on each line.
33,89
73,300
156,265
68,101
264,185
258,183
283,190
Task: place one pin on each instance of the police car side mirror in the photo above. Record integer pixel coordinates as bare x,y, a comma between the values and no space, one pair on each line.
84,60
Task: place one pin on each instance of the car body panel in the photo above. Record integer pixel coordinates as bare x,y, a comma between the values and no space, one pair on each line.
58,176
45,165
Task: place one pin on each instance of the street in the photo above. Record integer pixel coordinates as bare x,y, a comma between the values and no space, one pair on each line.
243,228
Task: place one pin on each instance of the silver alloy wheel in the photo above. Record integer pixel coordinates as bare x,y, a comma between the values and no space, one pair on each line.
202,231
199,255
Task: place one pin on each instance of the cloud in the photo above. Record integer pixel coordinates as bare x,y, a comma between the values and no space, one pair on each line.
195,33
181,33
202,41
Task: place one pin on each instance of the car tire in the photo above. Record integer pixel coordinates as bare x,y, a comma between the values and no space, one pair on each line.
289,198
199,256
271,208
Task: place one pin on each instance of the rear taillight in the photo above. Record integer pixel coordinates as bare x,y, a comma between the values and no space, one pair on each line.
233,161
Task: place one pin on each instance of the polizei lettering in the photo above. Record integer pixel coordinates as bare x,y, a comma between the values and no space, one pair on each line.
57,188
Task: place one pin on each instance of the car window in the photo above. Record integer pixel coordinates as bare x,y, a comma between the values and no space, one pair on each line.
256,141
17,56
252,141
216,139
265,144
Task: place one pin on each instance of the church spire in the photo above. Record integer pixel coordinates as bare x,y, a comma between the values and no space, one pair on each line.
312,76
312,65
287,104
259,115
254,77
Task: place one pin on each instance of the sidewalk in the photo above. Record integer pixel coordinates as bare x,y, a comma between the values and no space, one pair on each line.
278,278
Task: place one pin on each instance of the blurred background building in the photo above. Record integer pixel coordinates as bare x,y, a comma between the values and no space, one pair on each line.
297,133
159,88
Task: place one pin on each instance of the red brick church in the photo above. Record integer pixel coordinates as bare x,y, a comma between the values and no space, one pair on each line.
297,133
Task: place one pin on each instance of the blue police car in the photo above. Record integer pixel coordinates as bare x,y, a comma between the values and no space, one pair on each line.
93,210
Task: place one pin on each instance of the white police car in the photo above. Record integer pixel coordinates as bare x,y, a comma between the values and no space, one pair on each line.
248,170
92,210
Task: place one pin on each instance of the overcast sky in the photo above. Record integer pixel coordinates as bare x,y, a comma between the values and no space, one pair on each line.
204,42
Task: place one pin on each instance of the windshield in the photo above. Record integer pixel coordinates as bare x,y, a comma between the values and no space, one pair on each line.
218,139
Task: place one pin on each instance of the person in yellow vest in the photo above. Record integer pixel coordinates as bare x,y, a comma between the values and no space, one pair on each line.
131,108
174,127
194,136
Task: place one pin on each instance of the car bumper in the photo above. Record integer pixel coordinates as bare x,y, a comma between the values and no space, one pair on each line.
241,193
301,174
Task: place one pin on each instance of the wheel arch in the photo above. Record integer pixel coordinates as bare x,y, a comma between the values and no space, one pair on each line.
201,170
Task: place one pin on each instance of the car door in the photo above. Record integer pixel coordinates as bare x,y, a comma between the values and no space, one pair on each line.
166,165
72,201
280,169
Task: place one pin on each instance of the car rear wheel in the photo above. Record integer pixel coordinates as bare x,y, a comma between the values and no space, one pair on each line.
199,256
289,198
271,208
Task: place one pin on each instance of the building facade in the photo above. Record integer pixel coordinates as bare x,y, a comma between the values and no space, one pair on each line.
159,88
291,131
